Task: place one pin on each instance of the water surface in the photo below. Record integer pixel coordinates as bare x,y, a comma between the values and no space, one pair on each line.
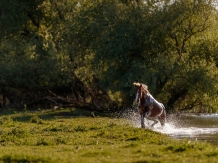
201,127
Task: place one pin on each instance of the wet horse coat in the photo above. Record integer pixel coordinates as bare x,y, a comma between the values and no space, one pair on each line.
148,106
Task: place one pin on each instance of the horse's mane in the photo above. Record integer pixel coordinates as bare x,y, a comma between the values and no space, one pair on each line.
144,86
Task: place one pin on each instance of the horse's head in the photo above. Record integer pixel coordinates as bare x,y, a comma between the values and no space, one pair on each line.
138,91
139,88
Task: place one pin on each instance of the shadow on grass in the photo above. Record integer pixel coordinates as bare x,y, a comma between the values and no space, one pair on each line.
49,114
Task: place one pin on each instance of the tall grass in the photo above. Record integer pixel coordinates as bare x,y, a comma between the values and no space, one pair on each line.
60,136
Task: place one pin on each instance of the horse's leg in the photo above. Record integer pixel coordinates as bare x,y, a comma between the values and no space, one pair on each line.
155,122
152,119
162,118
162,121
142,121
149,117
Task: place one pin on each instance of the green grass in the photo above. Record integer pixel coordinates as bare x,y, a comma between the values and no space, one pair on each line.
75,136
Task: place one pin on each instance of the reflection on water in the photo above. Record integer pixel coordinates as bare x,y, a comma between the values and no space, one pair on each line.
203,127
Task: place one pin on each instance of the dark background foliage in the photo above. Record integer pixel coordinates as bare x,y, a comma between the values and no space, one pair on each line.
88,53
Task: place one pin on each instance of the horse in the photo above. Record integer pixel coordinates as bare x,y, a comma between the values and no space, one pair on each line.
148,106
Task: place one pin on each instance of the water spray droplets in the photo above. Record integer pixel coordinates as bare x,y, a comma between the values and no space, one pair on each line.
192,127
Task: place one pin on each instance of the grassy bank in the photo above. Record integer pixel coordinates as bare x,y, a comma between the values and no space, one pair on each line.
75,136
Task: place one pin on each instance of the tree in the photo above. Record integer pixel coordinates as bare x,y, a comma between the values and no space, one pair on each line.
159,44
88,53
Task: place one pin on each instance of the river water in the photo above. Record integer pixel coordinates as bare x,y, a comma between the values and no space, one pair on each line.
201,127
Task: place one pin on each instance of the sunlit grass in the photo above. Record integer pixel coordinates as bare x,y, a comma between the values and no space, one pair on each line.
75,136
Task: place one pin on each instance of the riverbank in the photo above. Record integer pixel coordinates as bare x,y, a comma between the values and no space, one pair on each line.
76,136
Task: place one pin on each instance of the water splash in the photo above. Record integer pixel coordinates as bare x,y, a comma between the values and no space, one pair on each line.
177,131
193,127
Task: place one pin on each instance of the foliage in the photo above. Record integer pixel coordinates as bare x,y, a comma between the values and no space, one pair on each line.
31,63
169,47
88,53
